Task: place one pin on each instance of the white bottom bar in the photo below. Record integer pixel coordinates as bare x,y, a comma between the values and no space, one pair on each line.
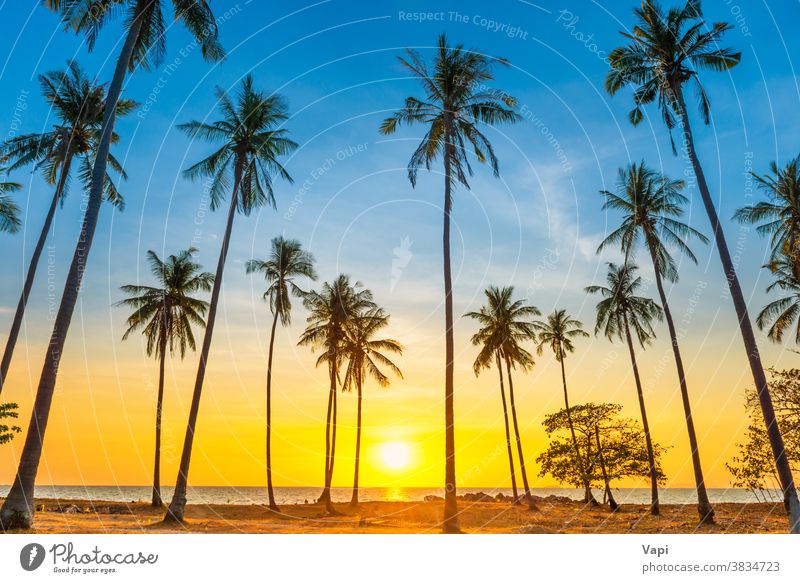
401,558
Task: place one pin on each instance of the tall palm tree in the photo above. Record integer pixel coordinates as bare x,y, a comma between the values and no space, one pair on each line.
251,140
666,51
557,333
651,205
78,104
782,314
145,34
456,102
780,215
287,261
505,325
365,356
165,315
619,311
331,310
9,213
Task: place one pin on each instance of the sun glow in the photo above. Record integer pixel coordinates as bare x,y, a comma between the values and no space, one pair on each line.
394,455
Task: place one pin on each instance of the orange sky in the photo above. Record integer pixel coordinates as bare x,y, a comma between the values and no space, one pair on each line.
101,426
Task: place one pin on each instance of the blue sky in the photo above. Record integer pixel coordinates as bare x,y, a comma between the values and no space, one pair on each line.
536,227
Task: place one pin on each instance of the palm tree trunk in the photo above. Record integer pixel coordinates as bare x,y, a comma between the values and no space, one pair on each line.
270,492
177,506
651,460
450,522
588,497
528,498
18,508
508,432
609,494
325,497
157,502
325,492
704,508
745,326
354,498
16,324
334,417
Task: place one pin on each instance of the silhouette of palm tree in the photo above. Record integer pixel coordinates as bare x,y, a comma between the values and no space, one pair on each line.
618,312
651,205
331,310
78,105
252,140
505,325
286,262
557,333
456,101
365,356
667,50
165,315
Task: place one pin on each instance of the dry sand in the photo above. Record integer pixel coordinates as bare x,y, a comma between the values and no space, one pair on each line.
552,516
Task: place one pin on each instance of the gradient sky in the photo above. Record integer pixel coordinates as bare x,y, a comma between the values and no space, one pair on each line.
536,228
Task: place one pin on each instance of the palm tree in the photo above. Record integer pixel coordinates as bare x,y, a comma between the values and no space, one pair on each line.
365,356
331,310
252,140
286,262
144,44
666,51
165,315
9,214
557,333
78,104
651,205
456,101
781,314
780,215
618,312
504,326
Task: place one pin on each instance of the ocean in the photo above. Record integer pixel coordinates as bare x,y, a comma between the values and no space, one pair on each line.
300,495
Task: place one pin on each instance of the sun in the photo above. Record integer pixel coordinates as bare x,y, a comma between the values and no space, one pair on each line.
394,455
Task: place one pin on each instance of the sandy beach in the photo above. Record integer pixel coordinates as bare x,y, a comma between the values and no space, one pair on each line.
552,516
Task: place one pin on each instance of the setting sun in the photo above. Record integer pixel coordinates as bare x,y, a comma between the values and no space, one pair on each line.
394,455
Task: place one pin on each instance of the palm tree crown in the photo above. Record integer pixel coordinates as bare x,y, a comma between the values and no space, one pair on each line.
558,332
287,261
621,308
650,204
783,312
330,311
365,353
455,101
9,211
77,103
90,16
668,49
780,215
165,314
252,138
505,325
